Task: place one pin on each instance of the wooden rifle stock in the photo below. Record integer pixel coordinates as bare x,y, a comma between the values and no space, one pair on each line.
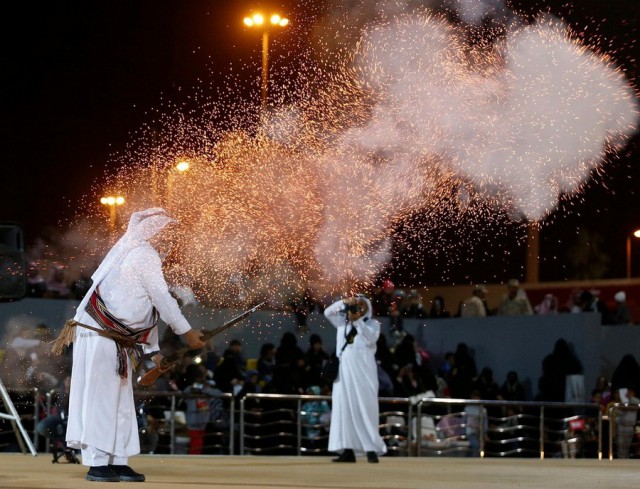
170,361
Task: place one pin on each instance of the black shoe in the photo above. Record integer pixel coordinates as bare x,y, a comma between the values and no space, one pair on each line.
102,473
126,473
346,456
372,457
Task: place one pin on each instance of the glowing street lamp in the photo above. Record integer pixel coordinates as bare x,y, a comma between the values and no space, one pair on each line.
257,20
635,234
112,202
183,166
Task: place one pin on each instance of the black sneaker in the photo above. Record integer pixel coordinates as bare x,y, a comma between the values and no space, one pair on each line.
372,457
126,473
103,473
346,456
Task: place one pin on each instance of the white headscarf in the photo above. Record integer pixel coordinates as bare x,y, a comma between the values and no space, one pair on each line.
143,225
367,315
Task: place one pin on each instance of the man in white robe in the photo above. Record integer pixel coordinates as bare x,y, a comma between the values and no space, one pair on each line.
128,291
355,411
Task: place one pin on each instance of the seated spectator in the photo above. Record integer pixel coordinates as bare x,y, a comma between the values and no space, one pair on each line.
486,385
462,375
476,305
57,286
203,406
383,300
549,305
515,302
413,307
438,309
81,285
316,417
446,368
573,302
229,375
266,363
590,302
476,424
556,366
621,314
396,324
315,358
384,356
512,389
54,425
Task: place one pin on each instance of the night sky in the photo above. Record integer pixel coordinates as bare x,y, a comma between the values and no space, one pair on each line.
80,76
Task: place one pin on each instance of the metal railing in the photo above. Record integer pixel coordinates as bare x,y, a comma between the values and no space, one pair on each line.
551,430
277,423
285,424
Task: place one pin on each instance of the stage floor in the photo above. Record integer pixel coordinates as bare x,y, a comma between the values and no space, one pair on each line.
19,471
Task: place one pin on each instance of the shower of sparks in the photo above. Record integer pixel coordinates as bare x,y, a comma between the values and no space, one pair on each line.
419,126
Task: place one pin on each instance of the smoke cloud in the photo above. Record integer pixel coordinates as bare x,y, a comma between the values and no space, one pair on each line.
414,119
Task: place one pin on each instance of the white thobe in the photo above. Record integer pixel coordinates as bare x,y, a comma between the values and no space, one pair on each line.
355,411
101,407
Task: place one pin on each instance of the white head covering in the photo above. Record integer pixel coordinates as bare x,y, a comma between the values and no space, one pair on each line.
620,296
143,225
367,315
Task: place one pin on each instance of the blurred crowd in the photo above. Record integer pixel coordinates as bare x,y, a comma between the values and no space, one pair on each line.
405,369
388,300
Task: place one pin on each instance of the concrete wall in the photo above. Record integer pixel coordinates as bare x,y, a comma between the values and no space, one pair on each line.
501,343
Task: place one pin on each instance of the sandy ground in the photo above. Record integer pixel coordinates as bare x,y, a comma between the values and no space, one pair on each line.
19,471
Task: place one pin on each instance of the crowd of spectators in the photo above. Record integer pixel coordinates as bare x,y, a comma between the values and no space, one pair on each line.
388,301
405,370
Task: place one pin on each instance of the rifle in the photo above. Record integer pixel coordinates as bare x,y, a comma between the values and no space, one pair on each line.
170,361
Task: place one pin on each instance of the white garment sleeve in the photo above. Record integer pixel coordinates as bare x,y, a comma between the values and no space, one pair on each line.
335,313
369,330
150,272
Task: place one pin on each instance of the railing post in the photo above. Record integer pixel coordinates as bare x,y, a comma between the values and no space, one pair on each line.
481,447
409,420
611,428
242,425
599,434
172,425
232,424
47,443
541,432
418,429
36,414
299,427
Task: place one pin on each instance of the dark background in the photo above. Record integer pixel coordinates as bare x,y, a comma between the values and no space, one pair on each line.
81,76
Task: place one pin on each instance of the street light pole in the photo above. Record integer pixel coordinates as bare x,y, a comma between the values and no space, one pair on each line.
635,234
257,20
112,202
265,69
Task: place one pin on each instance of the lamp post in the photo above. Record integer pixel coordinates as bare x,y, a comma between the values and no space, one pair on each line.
635,234
257,20
112,203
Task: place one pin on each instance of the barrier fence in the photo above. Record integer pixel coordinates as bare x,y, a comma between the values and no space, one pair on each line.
278,424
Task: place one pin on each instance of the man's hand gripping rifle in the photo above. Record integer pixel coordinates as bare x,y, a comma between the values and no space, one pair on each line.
170,361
